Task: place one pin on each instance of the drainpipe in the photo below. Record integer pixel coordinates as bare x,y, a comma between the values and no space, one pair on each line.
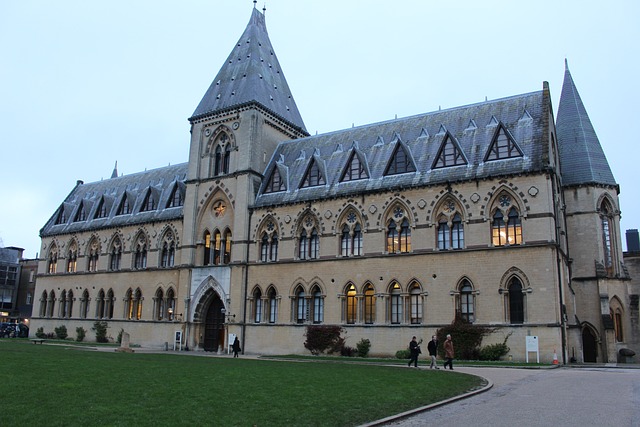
563,315
245,281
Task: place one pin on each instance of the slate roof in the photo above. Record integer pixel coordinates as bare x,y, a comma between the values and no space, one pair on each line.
472,127
582,159
160,182
252,74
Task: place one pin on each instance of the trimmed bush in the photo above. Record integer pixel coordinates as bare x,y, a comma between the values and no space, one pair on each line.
61,332
40,333
363,347
101,331
80,333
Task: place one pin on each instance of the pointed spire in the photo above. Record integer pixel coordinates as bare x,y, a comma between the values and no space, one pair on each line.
581,155
252,74
114,174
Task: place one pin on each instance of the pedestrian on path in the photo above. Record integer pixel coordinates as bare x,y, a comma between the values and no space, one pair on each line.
414,349
448,353
236,347
433,351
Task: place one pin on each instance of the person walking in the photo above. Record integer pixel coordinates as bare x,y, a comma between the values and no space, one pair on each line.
414,349
236,347
433,351
448,353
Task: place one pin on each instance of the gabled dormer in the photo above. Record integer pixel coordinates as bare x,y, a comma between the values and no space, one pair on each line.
503,146
449,153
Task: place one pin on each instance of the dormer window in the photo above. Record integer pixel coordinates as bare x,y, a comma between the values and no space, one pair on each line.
149,203
354,170
275,183
503,146
125,207
400,162
449,154
175,200
313,177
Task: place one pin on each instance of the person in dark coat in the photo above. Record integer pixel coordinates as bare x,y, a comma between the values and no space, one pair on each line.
433,351
414,349
236,347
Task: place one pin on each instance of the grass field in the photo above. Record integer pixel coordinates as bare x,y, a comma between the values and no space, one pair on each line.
63,385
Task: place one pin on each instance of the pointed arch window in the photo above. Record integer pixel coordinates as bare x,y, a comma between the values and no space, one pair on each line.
81,215
207,249
607,221
503,146
94,253
275,183
52,261
351,238
100,305
257,306
140,257
269,247
318,305
226,246
308,244
509,233
415,301
43,304
175,199
301,306
222,154
168,255
115,255
466,302
399,241
352,305
72,258
450,233
273,305
108,305
313,177
134,304
84,304
449,154
516,302
400,162
369,305
395,302
170,303
355,169
51,304
616,316
217,245
159,305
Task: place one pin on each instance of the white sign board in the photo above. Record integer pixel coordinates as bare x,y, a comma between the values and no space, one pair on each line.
532,345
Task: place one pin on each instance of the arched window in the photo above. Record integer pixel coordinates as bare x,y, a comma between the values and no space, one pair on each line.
509,233
415,300
607,224
168,254
345,241
217,244
115,255
170,303
43,304
396,303
222,154
68,312
226,259
140,257
134,304
369,305
308,244
51,304
318,305
108,305
257,306
100,305
398,232
615,310
392,238
516,302
84,305
63,304
159,305
52,262
352,305
273,305
72,258
207,249
94,252
351,237
450,230
466,302
302,309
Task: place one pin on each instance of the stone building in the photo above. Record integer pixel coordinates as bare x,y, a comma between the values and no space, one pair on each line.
492,212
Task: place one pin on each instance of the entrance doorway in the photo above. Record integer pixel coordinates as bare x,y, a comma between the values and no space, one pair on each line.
589,345
214,325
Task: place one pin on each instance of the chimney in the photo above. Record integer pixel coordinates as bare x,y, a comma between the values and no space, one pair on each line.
633,241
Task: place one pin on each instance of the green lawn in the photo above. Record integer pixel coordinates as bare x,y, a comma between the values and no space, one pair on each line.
47,385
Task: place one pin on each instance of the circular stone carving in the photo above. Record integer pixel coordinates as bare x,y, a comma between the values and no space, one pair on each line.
422,203
327,214
533,191
475,197
207,132
372,209
235,125
287,219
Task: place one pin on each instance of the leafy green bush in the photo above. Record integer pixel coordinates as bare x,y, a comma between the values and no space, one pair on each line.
40,332
363,347
347,351
403,354
101,331
61,332
324,338
495,351
466,337
80,334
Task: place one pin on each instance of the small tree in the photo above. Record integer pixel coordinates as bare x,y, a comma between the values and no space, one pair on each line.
466,336
80,333
61,332
40,332
363,347
324,338
101,331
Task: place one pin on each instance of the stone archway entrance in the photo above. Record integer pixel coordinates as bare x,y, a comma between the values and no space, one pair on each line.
214,325
589,345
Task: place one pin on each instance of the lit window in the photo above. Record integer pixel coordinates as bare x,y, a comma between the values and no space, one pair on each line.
369,305
352,305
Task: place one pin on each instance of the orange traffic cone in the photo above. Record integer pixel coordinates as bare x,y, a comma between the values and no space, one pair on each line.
555,357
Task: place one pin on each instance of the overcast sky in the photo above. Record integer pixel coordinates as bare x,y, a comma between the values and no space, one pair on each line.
84,84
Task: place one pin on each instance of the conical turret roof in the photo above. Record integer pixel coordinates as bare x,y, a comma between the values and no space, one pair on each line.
581,156
251,74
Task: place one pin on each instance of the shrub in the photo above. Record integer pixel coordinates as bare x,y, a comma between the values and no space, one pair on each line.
347,351
119,338
80,334
61,332
466,336
403,354
495,351
101,331
363,347
40,332
323,338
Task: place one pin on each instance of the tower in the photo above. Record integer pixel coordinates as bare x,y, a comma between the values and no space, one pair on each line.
245,113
